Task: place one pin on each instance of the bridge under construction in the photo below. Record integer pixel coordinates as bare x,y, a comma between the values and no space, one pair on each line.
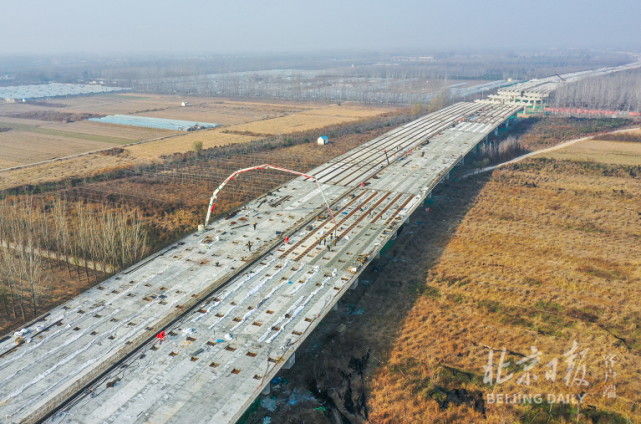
235,300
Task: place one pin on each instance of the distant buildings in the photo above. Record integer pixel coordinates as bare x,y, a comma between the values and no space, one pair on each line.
323,140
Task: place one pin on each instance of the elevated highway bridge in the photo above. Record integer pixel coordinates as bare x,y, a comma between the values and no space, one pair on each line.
232,317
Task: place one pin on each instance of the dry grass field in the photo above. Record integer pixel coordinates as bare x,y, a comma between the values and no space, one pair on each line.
309,120
541,253
549,253
17,148
124,104
123,132
226,112
88,165
38,142
80,167
210,138
614,152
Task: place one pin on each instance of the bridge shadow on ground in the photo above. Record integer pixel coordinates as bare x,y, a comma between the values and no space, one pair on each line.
325,378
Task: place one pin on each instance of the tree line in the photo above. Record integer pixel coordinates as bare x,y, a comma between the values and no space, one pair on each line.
614,92
40,240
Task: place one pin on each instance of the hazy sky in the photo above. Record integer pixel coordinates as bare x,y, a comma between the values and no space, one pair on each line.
214,26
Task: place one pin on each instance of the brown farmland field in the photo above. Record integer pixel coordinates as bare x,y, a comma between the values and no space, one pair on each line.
227,112
17,147
111,130
615,152
305,121
82,166
184,143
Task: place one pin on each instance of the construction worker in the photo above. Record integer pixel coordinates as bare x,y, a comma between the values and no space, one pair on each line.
249,245
161,336
255,226
287,240
329,247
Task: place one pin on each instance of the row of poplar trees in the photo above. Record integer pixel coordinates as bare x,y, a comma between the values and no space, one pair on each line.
42,243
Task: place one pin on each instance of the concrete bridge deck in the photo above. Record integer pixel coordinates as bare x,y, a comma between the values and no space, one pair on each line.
233,317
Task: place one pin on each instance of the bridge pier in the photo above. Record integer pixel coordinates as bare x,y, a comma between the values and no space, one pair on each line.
354,285
290,362
266,389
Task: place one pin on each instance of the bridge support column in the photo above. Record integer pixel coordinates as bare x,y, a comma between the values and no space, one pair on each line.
354,285
429,195
507,123
266,390
496,131
335,307
290,362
